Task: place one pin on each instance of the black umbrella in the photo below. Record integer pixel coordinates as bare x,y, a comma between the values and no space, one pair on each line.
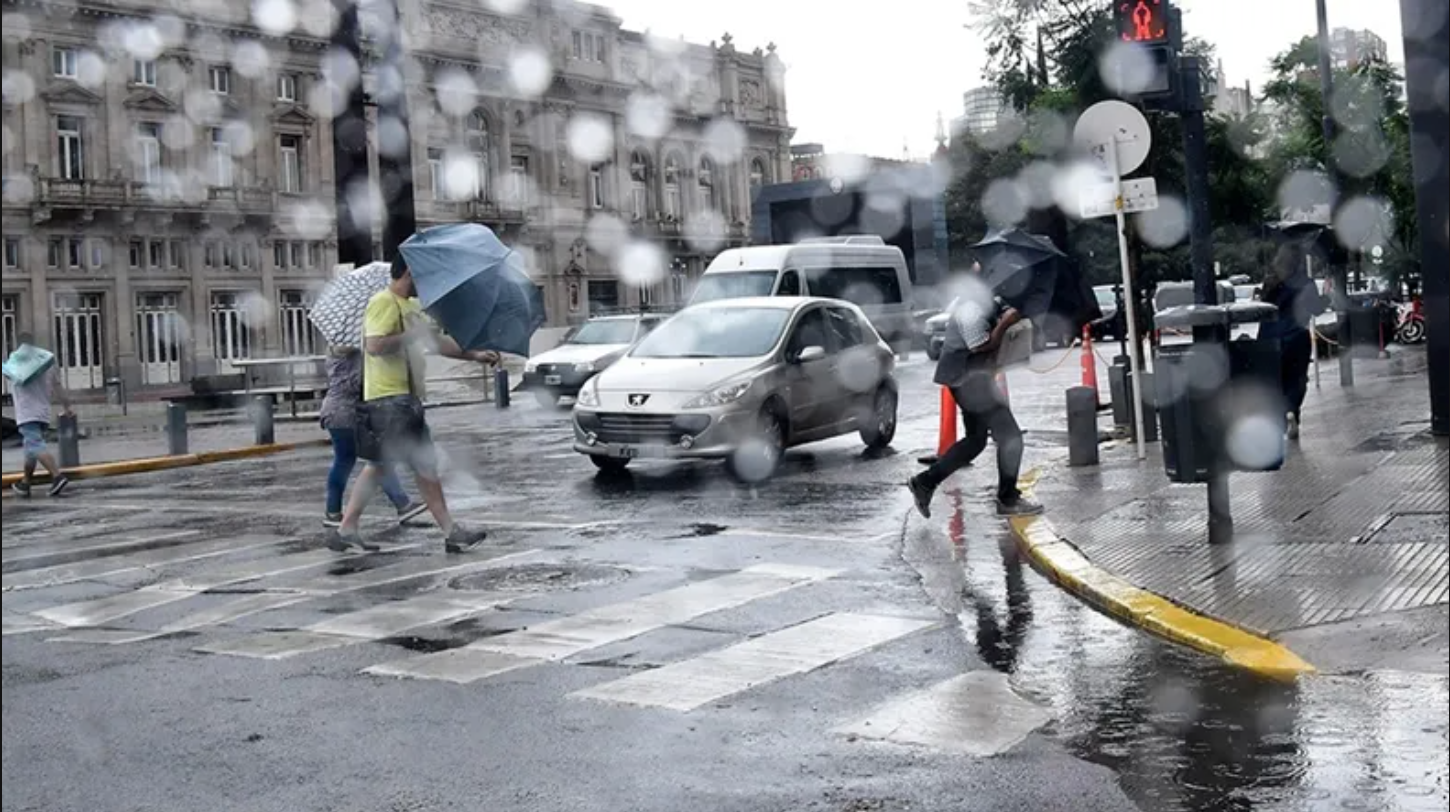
1021,268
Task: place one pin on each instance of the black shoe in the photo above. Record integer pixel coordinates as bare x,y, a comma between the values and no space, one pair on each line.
59,485
21,490
921,493
462,540
343,541
1021,506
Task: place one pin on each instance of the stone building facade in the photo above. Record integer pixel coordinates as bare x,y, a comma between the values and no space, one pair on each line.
169,184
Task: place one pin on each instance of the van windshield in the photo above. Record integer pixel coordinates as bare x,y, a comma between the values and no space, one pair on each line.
733,285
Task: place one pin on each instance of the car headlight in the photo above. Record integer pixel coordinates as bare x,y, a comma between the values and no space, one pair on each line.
589,395
587,366
720,397
531,366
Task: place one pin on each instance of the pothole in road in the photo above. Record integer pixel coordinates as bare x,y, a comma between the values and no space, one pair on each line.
539,577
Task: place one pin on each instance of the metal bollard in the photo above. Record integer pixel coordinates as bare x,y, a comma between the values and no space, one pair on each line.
176,444
1118,392
70,441
1150,409
501,387
262,419
1082,426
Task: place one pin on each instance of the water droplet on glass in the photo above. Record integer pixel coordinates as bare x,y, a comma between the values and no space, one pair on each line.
250,59
1363,221
530,72
1165,226
1126,68
640,264
606,234
705,231
275,18
18,87
90,70
1004,204
457,93
590,139
724,140
648,116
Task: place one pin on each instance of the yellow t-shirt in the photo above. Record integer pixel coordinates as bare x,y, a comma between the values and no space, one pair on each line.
387,375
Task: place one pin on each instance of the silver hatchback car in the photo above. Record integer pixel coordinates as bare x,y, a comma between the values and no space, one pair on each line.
741,380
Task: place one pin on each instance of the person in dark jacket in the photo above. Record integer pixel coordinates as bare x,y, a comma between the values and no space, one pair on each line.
339,418
1290,289
967,367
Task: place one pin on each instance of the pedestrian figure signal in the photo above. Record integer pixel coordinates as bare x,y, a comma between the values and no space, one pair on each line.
1142,21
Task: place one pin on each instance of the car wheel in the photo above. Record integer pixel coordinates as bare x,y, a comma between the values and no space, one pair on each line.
546,399
878,423
1413,332
759,455
609,465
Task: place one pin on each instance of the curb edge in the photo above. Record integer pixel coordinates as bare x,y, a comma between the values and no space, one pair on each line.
148,464
1065,564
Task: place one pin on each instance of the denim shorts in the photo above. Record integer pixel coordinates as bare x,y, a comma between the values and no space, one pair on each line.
33,436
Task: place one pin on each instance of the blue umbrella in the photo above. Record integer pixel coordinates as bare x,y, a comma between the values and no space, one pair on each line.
475,287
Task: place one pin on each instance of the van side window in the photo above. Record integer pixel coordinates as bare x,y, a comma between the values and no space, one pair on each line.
861,286
790,284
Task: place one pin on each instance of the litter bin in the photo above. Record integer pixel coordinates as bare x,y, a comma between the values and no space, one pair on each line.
1219,402
116,393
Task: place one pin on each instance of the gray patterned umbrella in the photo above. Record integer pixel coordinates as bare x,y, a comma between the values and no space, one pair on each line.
338,312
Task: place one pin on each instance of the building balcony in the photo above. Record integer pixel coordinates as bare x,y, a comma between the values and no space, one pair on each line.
478,211
90,195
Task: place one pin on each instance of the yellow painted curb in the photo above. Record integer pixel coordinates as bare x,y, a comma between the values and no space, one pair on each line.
1065,564
148,464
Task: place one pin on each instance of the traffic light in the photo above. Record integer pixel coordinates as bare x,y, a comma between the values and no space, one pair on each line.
1152,27
1145,22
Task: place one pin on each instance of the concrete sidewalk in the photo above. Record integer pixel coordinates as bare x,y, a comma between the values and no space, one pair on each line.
1341,556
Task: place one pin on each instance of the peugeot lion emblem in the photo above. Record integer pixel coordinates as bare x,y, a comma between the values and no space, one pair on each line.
637,400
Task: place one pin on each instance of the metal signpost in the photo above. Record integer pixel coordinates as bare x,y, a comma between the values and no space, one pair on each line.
1117,135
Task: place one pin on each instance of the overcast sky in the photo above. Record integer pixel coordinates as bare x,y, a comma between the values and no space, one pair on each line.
867,78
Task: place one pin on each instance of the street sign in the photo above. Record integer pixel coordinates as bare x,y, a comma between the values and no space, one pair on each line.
1104,200
1118,123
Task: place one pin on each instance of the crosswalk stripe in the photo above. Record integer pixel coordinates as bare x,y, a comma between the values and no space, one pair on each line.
373,623
409,568
976,713
557,639
225,612
25,536
15,623
105,567
687,685
67,552
100,611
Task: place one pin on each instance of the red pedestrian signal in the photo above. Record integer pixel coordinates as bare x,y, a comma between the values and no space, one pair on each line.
1142,21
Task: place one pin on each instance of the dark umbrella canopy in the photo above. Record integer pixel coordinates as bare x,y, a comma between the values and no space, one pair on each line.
1021,268
475,286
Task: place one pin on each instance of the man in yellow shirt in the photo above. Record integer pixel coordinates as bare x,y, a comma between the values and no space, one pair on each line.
391,426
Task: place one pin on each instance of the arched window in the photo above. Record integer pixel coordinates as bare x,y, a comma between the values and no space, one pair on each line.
757,174
673,204
639,185
705,178
477,142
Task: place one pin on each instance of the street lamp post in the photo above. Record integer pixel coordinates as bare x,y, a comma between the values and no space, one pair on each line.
1341,275
350,140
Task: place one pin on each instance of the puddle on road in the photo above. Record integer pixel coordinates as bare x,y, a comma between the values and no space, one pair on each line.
1182,731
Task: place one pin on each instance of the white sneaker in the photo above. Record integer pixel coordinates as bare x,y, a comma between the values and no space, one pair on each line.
1293,431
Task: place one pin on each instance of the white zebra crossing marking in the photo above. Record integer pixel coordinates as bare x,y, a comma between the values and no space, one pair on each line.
105,567
976,713
557,639
66,548
687,685
114,607
215,616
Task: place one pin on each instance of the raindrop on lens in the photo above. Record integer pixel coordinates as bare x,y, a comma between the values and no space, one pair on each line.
1165,226
1253,441
640,264
530,72
590,139
275,18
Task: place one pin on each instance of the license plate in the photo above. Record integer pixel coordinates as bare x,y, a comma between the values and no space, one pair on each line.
552,380
631,452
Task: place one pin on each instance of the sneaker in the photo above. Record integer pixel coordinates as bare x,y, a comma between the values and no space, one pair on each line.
462,540
921,495
332,520
21,490
1021,506
343,541
1293,431
410,511
59,485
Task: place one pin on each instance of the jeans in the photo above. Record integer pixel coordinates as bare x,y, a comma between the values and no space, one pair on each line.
1296,352
32,435
984,415
344,457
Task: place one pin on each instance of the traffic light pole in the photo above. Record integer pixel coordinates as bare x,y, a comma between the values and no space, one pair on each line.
1341,274
350,145
1425,66
395,143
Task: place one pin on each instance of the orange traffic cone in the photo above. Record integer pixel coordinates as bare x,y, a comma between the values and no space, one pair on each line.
1089,364
946,428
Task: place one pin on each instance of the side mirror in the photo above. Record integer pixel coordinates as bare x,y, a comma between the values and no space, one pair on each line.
809,354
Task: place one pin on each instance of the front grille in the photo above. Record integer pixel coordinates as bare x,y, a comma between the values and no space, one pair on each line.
548,369
619,427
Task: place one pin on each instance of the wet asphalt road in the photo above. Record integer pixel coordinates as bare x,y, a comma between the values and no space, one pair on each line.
1048,705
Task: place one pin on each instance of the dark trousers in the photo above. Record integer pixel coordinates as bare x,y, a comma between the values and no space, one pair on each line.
344,458
1296,351
984,415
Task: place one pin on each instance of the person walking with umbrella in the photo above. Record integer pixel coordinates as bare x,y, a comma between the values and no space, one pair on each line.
1290,289
339,418
33,375
391,425
968,367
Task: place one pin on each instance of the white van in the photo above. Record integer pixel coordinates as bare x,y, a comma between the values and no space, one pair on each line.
860,269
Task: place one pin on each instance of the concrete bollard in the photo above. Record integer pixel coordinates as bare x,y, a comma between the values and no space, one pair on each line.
501,387
176,444
1082,426
262,419
70,441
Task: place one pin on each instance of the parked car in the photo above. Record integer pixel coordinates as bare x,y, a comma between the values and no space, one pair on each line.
741,380
1108,325
584,353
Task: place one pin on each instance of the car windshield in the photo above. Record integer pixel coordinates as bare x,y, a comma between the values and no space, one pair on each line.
716,332
1106,298
613,331
733,285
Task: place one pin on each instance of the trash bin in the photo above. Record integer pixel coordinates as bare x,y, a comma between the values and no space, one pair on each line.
115,391
1219,402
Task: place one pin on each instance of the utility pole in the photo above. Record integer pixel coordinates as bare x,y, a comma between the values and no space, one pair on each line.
1195,170
350,141
1340,273
395,143
1425,66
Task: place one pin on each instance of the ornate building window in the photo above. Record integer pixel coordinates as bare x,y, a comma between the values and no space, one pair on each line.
476,140
674,205
639,185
